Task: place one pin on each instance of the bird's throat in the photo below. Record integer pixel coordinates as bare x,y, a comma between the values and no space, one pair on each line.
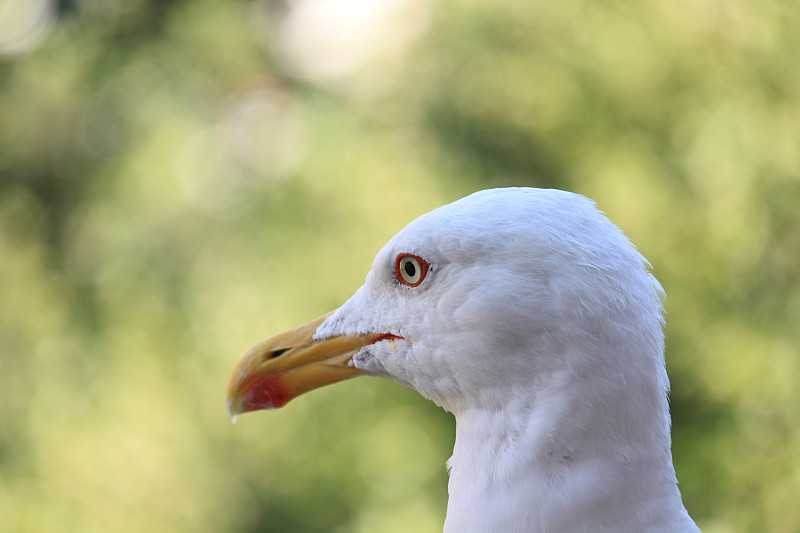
540,468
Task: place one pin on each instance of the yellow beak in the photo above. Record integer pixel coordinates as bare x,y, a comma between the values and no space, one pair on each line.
287,365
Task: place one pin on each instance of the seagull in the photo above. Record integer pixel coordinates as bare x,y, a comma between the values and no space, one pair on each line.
528,315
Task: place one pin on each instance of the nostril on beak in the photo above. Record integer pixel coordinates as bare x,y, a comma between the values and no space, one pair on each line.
278,353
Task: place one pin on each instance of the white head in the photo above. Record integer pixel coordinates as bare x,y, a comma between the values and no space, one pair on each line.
532,318
521,284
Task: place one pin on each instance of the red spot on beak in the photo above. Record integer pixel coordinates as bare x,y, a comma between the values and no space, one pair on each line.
265,392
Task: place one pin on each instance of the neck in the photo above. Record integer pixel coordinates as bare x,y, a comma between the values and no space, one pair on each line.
570,463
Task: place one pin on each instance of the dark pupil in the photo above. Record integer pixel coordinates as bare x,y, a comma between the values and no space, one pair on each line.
410,269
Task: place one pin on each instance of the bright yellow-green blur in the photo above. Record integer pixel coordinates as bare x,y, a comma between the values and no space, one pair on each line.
179,180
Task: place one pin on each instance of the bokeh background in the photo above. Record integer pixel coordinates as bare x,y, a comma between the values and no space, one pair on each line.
180,179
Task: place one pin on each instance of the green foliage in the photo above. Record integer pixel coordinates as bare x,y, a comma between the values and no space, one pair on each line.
181,179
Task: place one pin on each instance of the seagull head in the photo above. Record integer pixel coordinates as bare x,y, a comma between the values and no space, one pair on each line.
502,294
534,320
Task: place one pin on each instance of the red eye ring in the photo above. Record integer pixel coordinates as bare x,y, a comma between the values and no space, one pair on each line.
410,269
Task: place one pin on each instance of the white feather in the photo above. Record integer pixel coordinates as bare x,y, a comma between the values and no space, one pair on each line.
540,328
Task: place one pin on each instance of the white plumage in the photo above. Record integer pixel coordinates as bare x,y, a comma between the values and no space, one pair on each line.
538,325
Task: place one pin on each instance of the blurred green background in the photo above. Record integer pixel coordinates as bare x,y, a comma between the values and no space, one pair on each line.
181,179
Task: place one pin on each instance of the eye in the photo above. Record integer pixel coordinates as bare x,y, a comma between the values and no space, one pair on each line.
410,269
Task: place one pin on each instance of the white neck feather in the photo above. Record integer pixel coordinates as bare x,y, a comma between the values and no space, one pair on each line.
574,463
